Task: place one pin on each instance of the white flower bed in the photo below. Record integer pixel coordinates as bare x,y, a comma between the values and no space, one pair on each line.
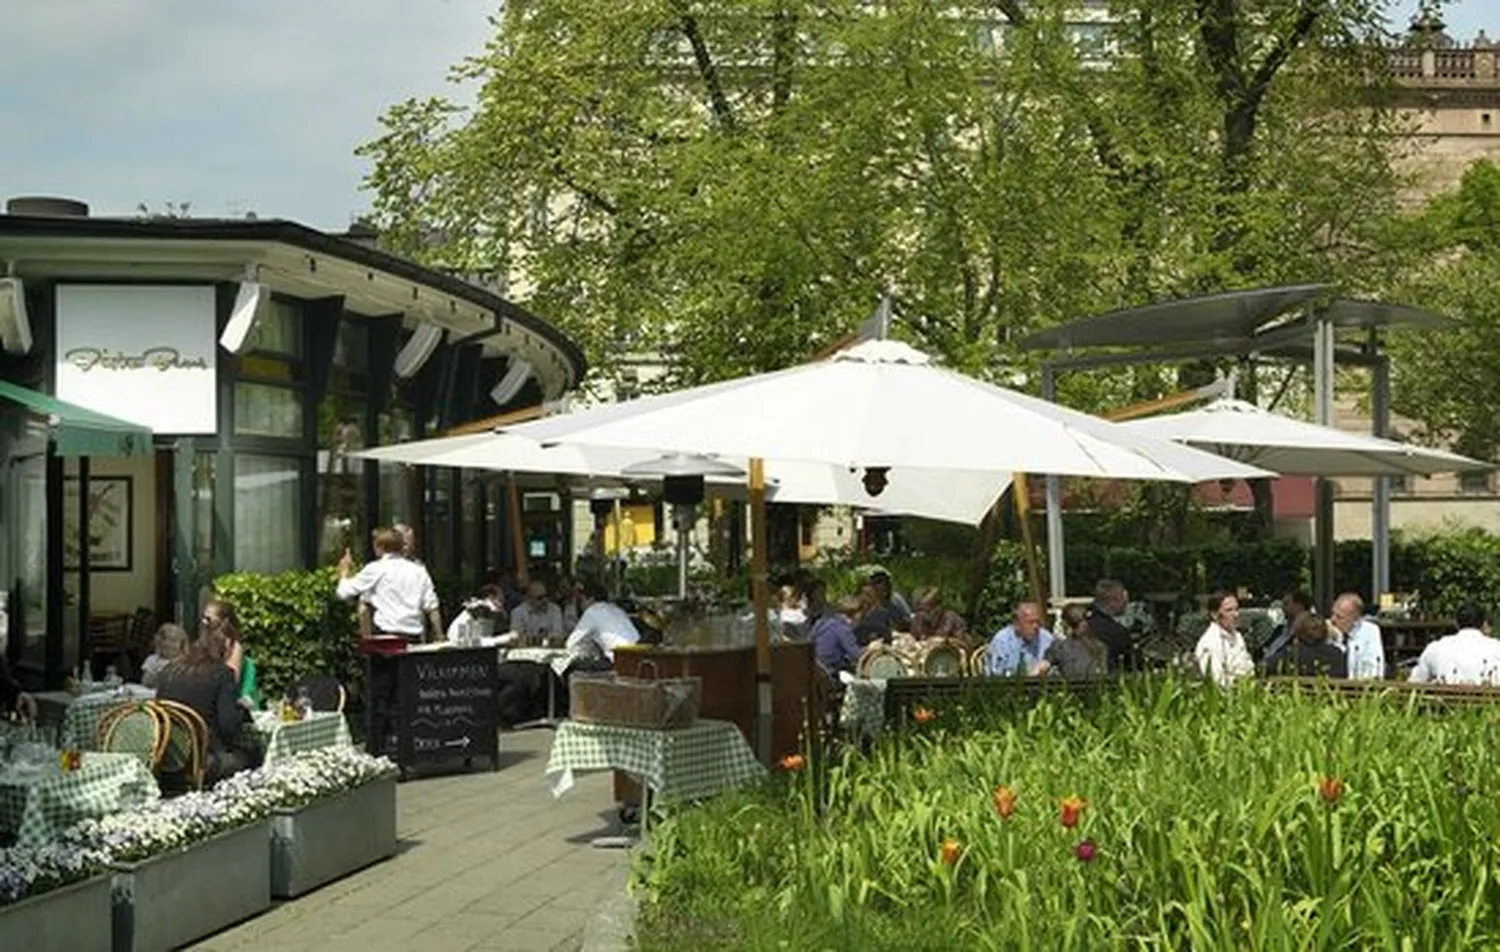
138,834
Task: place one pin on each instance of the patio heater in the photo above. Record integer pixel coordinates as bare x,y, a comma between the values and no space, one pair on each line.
682,484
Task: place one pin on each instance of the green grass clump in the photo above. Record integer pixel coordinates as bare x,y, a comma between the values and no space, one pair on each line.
1213,822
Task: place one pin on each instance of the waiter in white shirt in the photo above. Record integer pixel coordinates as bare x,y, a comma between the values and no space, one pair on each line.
601,628
403,602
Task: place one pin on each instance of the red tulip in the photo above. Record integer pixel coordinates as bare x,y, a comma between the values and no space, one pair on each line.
1330,788
1005,801
922,715
793,762
1084,851
950,851
1071,809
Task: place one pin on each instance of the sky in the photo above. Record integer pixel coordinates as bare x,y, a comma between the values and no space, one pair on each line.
255,105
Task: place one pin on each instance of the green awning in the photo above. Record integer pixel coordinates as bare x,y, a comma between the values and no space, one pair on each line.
76,431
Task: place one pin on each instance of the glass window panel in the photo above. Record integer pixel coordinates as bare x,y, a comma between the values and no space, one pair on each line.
265,410
267,513
267,368
203,513
29,530
340,479
351,349
279,330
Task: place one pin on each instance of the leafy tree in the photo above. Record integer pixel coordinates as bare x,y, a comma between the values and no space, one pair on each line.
1447,381
734,182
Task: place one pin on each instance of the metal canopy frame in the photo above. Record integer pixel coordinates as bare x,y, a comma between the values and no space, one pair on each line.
1250,325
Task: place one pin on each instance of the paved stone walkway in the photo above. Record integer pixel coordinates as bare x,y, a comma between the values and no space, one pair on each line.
487,861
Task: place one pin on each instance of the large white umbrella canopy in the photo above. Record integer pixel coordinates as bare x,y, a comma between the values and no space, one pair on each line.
1245,432
883,404
962,497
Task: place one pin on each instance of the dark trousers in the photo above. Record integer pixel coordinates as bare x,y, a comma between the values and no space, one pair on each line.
380,715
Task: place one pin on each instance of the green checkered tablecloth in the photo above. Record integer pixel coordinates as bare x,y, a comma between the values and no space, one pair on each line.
37,805
557,659
281,739
863,711
80,722
687,764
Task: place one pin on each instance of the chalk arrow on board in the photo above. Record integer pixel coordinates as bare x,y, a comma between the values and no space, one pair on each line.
461,742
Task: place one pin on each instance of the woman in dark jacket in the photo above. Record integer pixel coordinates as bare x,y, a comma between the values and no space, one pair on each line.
204,682
1309,654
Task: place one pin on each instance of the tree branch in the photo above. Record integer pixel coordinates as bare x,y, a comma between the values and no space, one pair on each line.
707,71
1277,57
783,39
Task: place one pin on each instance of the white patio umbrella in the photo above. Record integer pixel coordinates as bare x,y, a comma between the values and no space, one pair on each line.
882,405
961,497
1242,431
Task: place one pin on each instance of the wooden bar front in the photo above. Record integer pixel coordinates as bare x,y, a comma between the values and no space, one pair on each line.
729,691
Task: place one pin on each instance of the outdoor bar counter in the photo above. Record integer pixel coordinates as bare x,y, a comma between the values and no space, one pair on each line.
729,690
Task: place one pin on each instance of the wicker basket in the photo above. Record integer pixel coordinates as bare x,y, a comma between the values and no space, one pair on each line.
663,704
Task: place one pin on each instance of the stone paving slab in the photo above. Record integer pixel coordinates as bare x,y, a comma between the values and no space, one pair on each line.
488,860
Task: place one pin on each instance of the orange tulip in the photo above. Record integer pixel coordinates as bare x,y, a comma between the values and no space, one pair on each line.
1005,801
1072,809
950,851
793,762
1330,788
922,715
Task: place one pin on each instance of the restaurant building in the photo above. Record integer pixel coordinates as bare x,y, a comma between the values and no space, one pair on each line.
189,390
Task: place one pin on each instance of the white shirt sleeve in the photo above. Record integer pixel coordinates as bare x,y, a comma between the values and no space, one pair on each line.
1423,671
361,583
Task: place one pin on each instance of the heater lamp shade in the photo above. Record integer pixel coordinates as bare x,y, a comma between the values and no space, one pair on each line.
682,490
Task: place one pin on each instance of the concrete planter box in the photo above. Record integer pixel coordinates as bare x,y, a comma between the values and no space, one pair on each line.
73,917
332,837
170,900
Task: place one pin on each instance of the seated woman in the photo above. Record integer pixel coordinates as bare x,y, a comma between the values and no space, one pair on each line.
220,616
1309,653
171,644
202,680
1080,655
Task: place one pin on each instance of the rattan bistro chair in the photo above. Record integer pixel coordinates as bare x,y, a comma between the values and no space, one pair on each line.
135,727
185,753
979,662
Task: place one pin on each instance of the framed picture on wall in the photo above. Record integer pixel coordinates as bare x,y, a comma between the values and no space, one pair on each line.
111,523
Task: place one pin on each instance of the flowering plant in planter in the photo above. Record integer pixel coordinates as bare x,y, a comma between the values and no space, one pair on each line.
139,834
26,872
307,777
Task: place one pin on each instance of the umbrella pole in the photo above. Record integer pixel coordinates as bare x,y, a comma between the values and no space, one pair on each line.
517,530
760,604
1022,494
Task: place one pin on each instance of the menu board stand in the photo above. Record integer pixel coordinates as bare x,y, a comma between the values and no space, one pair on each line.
446,707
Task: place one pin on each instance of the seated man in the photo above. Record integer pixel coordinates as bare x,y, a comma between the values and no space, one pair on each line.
1021,647
537,617
1293,606
1110,601
1469,656
833,640
1309,654
1359,637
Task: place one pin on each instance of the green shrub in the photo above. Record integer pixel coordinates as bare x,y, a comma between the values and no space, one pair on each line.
1209,822
292,626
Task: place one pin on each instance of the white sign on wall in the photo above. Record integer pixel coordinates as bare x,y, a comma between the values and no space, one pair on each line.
143,353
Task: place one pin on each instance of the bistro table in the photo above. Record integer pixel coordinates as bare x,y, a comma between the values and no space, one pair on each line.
78,716
40,800
688,763
281,739
558,660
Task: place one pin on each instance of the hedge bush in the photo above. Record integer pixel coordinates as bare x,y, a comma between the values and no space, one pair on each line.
292,626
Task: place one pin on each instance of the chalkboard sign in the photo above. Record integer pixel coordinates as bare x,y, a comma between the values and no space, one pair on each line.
447,706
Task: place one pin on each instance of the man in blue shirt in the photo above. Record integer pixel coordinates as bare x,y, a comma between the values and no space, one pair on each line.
832,634
1018,648
1362,639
